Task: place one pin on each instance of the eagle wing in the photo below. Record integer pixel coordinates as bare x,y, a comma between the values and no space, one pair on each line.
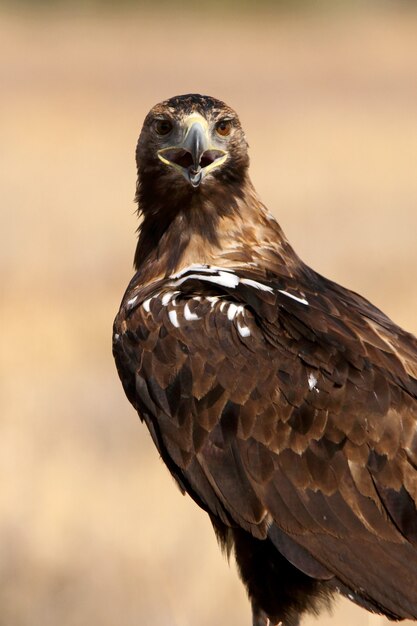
288,410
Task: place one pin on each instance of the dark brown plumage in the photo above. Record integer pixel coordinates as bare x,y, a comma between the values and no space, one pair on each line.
284,404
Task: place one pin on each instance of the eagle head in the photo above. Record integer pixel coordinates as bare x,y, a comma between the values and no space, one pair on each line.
189,142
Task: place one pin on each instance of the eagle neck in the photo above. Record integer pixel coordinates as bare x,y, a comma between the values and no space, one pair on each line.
217,226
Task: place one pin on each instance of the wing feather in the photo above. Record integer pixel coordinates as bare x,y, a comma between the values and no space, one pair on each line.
291,413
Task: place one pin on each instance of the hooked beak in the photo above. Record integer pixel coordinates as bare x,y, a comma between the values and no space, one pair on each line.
195,156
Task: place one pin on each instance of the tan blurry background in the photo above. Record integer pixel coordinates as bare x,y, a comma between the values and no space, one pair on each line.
92,528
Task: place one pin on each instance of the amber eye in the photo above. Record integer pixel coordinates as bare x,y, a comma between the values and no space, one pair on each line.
163,127
223,128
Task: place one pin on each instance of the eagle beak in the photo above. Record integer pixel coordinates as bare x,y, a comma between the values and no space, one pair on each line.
195,156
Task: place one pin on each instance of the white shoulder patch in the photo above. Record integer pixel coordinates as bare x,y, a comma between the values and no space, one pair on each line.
132,301
167,297
221,276
147,305
173,318
244,331
296,298
254,283
189,315
197,267
233,310
223,279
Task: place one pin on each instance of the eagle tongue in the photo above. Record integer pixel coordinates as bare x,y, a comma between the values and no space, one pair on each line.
195,176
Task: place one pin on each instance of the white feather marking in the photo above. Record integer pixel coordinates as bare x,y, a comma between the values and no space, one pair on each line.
244,331
116,336
132,301
234,310
173,318
219,275
199,268
290,295
146,305
223,279
167,297
189,315
254,283
223,304
312,381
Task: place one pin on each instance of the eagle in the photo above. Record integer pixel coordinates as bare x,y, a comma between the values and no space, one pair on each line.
284,404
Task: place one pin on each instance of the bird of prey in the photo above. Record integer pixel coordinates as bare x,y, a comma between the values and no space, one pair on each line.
284,404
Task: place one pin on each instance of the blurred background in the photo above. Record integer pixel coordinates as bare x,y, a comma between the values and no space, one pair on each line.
92,528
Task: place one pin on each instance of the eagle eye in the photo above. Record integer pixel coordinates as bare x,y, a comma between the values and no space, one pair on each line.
162,127
223,128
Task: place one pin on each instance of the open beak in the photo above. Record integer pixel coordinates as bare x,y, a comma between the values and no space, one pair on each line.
195,156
